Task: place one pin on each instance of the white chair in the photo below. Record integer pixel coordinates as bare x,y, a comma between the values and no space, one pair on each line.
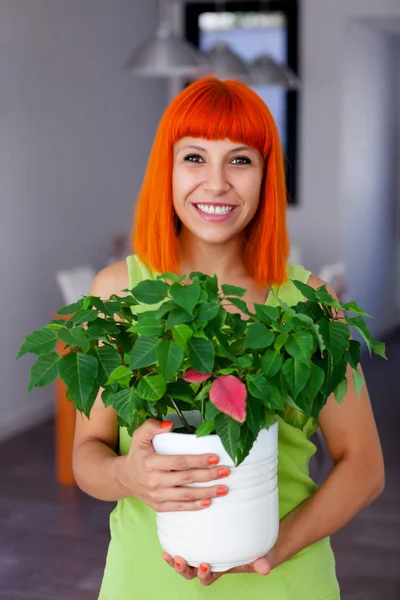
75,283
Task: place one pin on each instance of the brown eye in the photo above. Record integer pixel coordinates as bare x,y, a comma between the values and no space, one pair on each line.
243,158
190,157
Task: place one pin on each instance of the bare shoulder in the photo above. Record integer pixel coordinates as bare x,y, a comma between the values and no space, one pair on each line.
111,280
315,282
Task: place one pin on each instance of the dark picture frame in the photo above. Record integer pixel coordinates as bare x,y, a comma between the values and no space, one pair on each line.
290,9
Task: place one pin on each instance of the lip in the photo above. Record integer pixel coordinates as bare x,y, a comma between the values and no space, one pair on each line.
216,218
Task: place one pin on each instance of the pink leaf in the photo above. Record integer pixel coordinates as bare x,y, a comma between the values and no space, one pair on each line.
228,394
192,376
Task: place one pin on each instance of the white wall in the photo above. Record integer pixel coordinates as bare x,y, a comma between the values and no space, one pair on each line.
368,169
76,132
316,224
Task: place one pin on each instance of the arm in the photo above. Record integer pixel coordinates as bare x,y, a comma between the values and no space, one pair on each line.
95,461
356,479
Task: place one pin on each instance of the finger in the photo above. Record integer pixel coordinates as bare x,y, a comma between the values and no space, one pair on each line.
262,566
182,462
168,559
143,436
183,568
181,506
191,494
205,576
175,478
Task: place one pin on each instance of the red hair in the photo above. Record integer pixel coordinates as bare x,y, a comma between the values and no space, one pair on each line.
215,110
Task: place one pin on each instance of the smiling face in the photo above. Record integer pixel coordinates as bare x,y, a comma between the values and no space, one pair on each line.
216,187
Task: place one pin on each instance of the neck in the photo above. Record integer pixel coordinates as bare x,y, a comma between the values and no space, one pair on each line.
226,260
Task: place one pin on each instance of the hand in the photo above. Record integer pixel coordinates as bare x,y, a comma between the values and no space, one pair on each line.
262,566
159,480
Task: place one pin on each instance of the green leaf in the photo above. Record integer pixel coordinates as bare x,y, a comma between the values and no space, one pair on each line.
354,308
80,338
379,348
150,291
206,428
353,354
245,361
358,380
201,355
107,308
294,417
314,383
258,386
42,341
171,276
186,296
121,375
245,443
233,290
207,311
44,371
254,415
269,417
108,359
240,304
267,314
359,324
182,334
300,345
258,336
307,291
296,374
177,317
338,372
84,316
271,363
324,297
65,336
71,308
336,336
276,400
144,353
79,371
151,388
126,402
211,410
340,391
280,341
147,327
170,357
180,390
229,432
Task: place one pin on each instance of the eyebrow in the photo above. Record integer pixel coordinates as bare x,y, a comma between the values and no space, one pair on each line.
237,149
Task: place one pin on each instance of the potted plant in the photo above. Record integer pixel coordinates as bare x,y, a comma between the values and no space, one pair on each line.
170,347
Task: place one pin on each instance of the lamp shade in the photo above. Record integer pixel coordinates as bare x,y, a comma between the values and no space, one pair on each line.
226,64
166,55
266,71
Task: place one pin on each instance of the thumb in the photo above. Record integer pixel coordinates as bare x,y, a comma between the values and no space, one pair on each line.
143,436
262,566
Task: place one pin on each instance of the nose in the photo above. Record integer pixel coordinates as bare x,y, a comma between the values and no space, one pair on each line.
216,181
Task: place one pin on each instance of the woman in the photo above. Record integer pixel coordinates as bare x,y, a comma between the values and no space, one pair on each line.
214,200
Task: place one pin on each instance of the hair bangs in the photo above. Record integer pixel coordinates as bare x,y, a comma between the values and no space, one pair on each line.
215,113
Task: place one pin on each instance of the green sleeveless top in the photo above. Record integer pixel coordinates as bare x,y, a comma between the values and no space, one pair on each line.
134,567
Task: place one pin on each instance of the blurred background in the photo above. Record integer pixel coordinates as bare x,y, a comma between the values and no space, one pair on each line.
83,86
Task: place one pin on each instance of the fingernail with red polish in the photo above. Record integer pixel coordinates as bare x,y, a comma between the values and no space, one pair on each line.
203,568
165,424
221,491
213,460
178,564
224,472
206,502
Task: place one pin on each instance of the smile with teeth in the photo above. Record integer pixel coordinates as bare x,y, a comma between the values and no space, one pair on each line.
211,209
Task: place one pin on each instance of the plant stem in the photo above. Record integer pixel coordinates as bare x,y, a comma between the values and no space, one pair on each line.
202,410
182,418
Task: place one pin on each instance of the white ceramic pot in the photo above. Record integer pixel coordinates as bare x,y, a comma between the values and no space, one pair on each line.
237,528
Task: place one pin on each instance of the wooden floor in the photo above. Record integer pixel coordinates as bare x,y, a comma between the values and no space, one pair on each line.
53,541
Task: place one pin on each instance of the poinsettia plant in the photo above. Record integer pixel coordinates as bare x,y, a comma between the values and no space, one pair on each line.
170,346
